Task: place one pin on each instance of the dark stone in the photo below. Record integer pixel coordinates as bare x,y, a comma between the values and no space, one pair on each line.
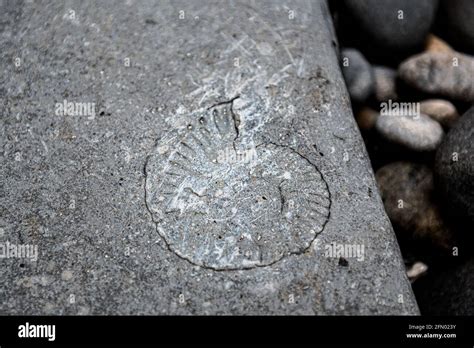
416,133
366,118
343,262
407,191
378,21
440,110
455,167
440,73
449,291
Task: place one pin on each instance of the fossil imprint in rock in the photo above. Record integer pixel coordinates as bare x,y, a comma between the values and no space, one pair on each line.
227,214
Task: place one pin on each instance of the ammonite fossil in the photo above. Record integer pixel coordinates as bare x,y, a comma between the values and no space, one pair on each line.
230,212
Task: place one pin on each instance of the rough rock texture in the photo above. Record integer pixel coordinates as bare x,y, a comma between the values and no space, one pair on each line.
407,191
388,28
357,74
417,133
87,189
445,73
440,110
455,167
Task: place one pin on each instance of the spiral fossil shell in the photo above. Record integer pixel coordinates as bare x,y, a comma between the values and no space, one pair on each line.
231,212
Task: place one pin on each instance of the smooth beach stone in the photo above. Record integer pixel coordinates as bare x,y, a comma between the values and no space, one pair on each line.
440,110
449,74
396,25
418,133
407,190
455,167
385,83
357,74
459,26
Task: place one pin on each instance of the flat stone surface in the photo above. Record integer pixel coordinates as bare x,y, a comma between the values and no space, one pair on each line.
392,26
219,164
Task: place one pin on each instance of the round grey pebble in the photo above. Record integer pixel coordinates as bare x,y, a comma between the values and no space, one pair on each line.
357,74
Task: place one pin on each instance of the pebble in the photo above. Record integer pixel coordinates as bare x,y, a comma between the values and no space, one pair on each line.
440,110
407,190
419,133
454,167
357,74
366,118
435,44
416,271
395,24
459,22
385,83
449,74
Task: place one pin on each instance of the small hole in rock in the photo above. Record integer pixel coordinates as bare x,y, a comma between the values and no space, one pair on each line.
343,262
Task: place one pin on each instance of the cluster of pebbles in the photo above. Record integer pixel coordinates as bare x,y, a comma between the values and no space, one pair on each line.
409,69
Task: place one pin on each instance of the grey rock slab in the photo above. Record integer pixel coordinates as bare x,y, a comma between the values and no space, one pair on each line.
218,166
